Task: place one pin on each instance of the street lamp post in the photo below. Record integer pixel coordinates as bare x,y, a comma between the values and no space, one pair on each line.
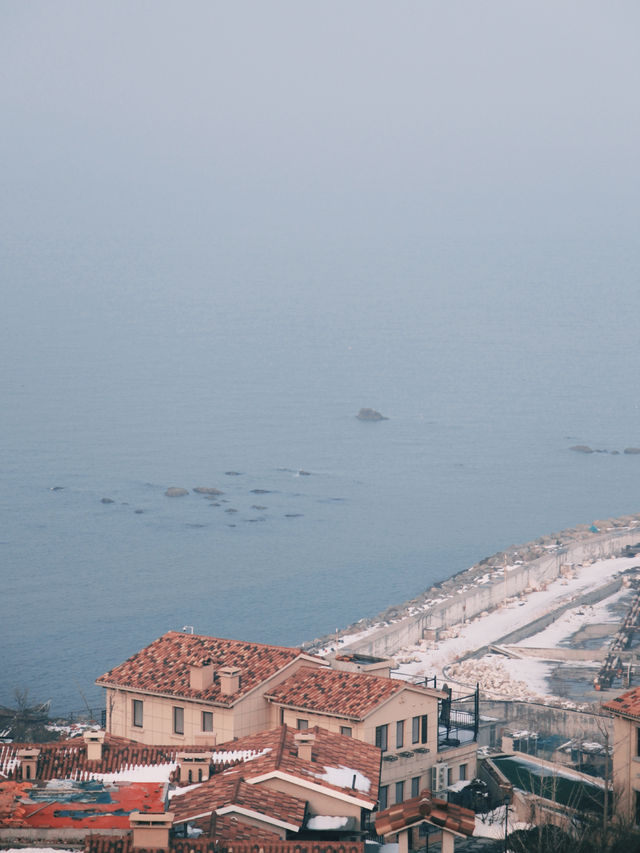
507,800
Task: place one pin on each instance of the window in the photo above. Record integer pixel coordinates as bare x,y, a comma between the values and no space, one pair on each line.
178,721
638,741
137,713
419,729
383,797
463,772
302,724
399,792
637,816
415,786
207,721
382,735
346,730
449,776
399,734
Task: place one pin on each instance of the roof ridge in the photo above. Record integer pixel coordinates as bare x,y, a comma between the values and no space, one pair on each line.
281,745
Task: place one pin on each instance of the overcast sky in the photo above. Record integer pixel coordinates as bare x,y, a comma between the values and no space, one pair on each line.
246,117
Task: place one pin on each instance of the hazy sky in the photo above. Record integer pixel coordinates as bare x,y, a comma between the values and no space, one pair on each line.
246,119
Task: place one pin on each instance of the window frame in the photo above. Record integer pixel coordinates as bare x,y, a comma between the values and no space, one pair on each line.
208,717
382,737
383,797
415,786
399,734
301,724
178,720
137,713
400,791
420,729
347,731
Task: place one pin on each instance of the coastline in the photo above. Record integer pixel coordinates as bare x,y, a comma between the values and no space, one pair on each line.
484,587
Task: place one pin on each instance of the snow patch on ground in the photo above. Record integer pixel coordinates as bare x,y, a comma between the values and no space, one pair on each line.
428,658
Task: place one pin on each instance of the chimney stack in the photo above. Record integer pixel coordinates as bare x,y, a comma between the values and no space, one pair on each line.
28,762
305,741
201,675
194,766
229,680
94,739
151,830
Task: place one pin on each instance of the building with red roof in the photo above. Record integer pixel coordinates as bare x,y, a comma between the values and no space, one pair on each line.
191,689
401,718
626,751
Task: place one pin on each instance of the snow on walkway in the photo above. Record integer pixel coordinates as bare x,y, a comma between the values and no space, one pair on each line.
428,658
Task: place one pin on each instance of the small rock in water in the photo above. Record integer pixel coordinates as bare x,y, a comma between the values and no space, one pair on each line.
370,415
231,510
302,473
56,488
232,473
138,511
176,492
207,490
293,515
257,506
106,501
632,450
581,448
260,491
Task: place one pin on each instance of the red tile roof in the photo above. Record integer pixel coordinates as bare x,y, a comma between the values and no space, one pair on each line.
163,667
38,805
425,808
626,705
222,792
336,760
353,695
225,843
68,759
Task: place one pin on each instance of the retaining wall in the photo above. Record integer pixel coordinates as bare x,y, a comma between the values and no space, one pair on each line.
468,603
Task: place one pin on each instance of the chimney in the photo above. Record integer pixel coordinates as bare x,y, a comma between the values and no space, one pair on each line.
194,766
305,741
229,680
94,739
151,830
201,675
28,762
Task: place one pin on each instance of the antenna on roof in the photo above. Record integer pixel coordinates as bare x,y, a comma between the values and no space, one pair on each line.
187,629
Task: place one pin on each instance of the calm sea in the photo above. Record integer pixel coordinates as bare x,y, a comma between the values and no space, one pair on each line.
129,366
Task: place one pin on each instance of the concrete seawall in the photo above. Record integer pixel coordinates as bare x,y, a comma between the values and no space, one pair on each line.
486,585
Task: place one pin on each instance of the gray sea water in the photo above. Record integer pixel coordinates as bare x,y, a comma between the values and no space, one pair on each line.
132,365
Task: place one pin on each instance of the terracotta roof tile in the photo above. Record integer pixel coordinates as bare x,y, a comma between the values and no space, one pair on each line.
331,691
68,759
37,805
224,791
336,759
425,807
230,838
163,666
626,705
